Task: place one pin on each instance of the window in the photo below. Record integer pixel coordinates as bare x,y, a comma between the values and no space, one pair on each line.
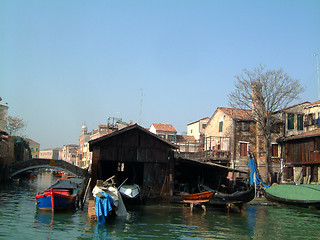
220,126
290,121
204,126
172,138
162,135
245,126
275,151
120,167
243,149
300,122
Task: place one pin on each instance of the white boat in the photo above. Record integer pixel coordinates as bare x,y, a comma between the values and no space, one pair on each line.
130,191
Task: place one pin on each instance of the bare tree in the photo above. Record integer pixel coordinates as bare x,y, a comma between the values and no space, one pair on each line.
264,91
15,125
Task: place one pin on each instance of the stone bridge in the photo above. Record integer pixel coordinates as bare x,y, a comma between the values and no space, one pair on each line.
47,163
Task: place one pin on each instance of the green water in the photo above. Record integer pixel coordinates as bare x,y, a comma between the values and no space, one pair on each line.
19,219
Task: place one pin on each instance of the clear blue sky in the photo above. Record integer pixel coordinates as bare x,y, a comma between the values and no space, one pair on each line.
63,63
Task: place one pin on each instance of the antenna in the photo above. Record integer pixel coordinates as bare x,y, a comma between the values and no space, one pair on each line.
141,89
317,65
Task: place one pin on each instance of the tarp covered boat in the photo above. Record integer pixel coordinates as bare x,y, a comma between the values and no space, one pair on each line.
302,195
60,196
108,202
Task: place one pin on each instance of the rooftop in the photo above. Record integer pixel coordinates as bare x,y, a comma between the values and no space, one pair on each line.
164,127
241,114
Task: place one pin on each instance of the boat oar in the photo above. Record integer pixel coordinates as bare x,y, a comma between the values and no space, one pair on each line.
122,183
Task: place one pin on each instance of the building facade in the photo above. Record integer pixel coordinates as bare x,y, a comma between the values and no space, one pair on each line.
50,153
197,128
70,153
233,131
3,117
34,147
166,131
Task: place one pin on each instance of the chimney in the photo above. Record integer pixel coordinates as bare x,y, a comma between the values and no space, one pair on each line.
257,99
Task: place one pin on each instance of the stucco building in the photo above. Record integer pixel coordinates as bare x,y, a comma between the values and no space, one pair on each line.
166,131
234,132
34,147
50,153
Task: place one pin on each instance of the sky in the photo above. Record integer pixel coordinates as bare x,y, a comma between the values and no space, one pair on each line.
66,63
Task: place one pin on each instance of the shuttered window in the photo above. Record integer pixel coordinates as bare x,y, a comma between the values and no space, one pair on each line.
220,126
275,152
290,121
243,149
300,122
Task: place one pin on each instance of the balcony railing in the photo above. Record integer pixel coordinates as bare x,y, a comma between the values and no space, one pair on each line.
206,149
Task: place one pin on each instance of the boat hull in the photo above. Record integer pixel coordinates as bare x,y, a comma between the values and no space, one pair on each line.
301,195
240,197
130,191
201,197
56,200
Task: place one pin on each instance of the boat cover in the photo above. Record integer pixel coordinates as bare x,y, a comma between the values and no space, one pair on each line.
103,205
254,178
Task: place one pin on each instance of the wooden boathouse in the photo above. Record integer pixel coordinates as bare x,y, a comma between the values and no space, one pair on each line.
146,159
137,154
302,157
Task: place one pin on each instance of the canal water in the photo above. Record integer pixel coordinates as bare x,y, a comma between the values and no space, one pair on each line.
20,219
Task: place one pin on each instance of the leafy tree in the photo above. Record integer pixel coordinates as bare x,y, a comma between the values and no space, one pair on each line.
15,125
264,91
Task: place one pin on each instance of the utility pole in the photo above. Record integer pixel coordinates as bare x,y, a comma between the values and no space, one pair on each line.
317,65
141,89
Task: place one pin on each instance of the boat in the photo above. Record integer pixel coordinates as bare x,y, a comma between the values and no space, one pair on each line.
58,173
304,195
130,191
237,198
198,197
60,196
108,201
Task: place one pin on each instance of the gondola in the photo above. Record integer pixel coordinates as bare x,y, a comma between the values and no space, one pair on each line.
228,200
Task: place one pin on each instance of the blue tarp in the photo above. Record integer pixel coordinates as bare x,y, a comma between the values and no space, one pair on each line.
254,178
102,207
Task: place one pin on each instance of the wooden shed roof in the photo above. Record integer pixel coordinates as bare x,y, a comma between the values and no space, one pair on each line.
309,134
135,126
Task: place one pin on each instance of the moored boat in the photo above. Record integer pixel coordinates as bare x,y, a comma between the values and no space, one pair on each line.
238,197
198,197
108,201
228,200
130,191
302,195
58,173
60,196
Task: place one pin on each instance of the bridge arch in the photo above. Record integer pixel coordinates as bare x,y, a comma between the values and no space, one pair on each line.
34,163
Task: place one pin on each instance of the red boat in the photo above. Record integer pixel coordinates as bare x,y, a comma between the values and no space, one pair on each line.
198,197
60,196
58,173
